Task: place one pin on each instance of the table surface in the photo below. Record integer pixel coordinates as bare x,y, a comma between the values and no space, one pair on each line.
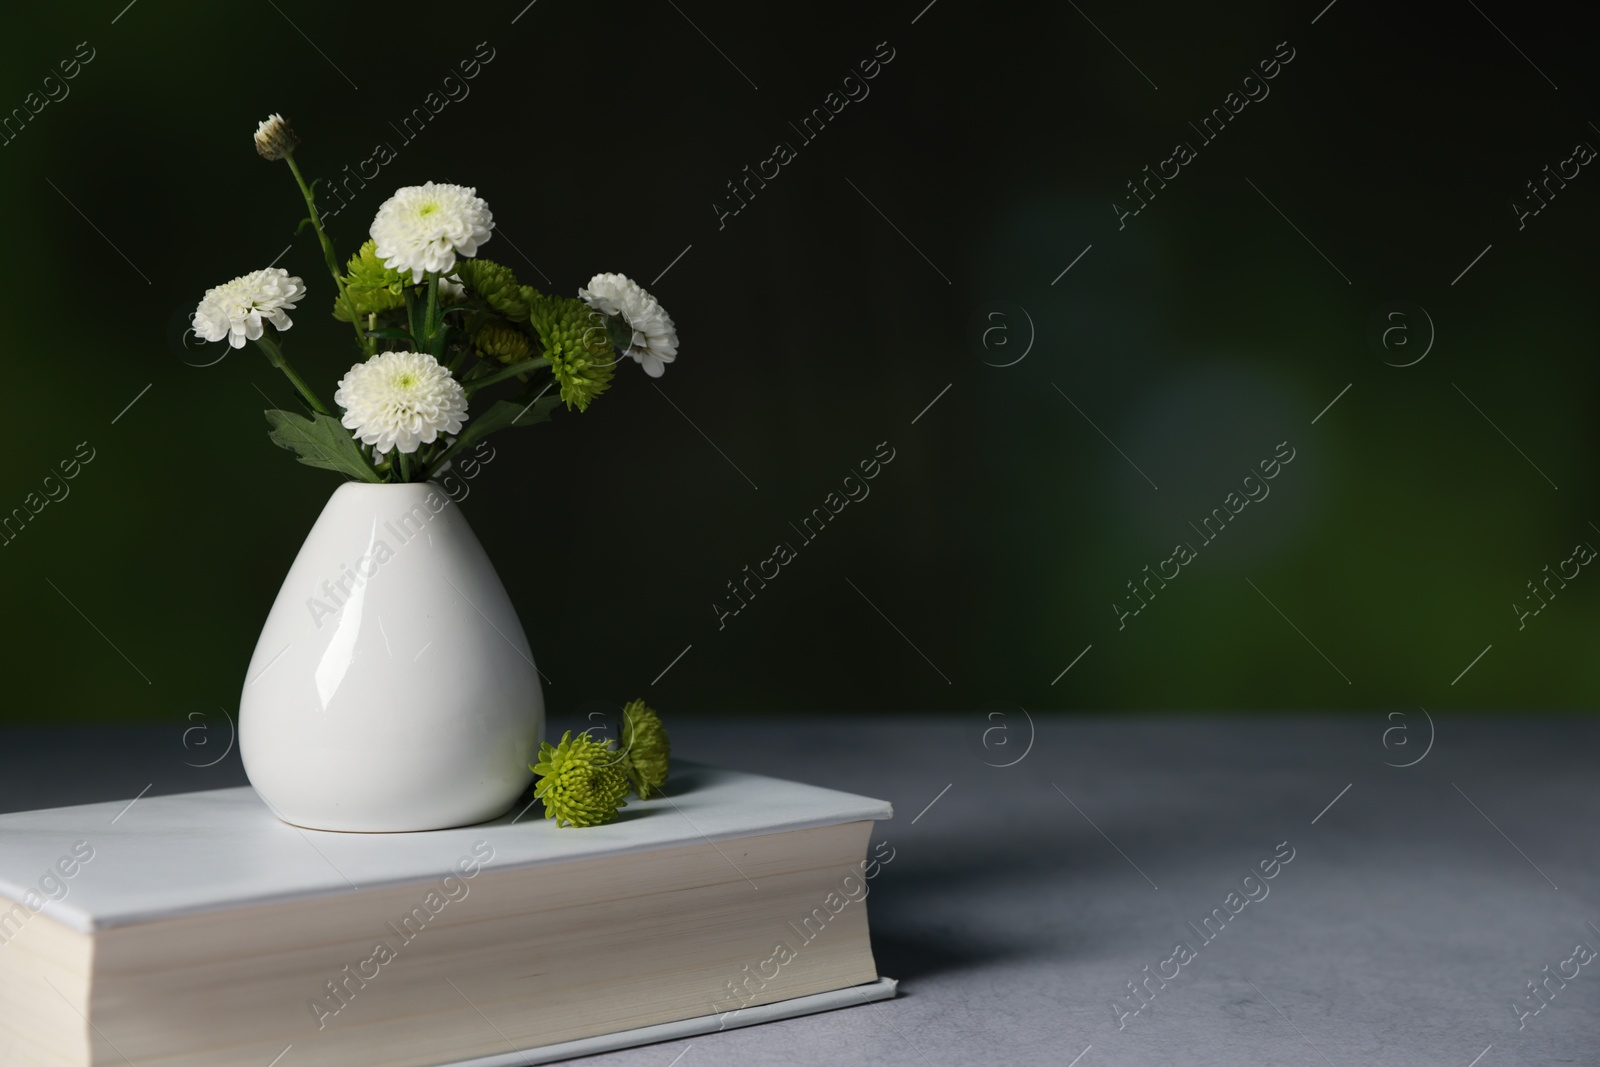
1419,902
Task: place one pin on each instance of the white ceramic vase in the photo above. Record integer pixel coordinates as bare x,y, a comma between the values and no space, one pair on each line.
392,688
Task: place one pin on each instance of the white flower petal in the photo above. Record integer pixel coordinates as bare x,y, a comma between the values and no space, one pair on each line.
234,310
655,339
422,228
400,400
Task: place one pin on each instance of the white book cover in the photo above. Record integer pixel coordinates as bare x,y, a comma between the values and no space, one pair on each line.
166,856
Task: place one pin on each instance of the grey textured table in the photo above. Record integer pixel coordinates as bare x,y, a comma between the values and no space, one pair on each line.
1418,904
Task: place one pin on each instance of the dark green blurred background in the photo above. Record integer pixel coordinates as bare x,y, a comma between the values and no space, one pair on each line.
816,324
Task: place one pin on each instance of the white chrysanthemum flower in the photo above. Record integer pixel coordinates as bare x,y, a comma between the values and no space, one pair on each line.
401,400
655,339
424,228
237,309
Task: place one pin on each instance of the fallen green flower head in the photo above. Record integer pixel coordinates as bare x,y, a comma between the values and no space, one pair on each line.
645,744
583,781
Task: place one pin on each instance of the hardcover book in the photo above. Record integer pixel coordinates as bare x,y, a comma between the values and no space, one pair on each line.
199,930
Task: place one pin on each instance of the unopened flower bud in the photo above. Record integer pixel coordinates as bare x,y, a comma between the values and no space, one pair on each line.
274,137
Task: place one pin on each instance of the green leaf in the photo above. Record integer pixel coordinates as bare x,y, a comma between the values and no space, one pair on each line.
619,333
478,381
320,441
506,413
500,415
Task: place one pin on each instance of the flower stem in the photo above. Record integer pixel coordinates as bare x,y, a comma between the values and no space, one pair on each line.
432,321
405,467
510,372
431,455
327,252
275,357
412,326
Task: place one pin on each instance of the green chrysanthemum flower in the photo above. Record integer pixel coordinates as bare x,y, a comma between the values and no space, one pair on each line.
575,342
582,377
372,287
583,781
644,742
504,343
497,285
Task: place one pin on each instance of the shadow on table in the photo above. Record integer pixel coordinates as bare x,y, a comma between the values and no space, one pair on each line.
908,956
971,902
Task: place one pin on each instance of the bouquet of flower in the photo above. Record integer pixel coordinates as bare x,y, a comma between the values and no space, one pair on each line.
435,325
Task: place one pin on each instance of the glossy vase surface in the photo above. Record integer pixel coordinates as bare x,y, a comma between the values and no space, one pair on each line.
392,688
